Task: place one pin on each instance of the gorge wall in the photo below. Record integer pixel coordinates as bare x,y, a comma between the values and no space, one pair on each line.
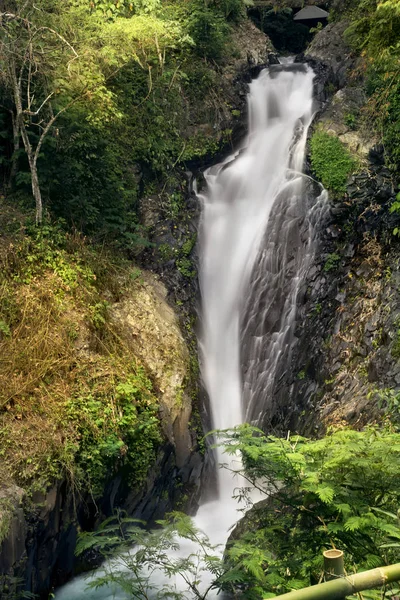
342,366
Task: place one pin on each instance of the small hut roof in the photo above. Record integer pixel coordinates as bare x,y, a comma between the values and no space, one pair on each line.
311,12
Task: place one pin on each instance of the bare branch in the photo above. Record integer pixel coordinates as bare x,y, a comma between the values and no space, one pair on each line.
12,16
51,122
36,112
28,90
61,37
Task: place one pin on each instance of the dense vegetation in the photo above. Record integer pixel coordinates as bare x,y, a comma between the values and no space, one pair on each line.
341,491
374,32
93,92
74,402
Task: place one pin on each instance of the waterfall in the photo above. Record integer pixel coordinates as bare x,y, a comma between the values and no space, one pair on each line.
253,259
256,242
249,233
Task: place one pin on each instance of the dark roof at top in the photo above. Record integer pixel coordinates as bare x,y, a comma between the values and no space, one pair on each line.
311,12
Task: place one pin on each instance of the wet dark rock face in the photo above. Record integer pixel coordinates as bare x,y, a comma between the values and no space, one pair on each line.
38,552
277,290
345,346
347,327
330,53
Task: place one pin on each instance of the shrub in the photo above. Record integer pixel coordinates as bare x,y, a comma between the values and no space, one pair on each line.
340,491
332,262
209,32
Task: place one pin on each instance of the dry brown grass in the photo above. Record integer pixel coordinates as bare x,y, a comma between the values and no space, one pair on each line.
55,344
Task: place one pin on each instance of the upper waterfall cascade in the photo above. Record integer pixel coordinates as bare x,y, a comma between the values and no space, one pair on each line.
251,248
252,263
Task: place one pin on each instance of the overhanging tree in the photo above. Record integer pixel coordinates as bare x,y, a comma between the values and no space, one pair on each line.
55,54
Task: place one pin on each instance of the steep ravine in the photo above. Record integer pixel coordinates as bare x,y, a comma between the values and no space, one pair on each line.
344,353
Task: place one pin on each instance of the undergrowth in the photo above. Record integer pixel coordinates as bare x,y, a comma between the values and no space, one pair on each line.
73,401
341,491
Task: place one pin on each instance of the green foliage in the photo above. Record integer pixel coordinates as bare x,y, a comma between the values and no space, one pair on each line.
199,145
350,120
117,431
185,266
376,27
375,32
175,205
148,562
44,249
126,82
341,491
383,108
318,308
111,9
396,342
4,328
332,163
74,404
188,245
332,262
209,32
389,403
232,10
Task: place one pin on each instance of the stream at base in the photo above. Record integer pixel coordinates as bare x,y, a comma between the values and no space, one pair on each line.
257,189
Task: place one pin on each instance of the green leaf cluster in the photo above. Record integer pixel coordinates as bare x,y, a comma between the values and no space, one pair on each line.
168,562
127,77
119,431
341,491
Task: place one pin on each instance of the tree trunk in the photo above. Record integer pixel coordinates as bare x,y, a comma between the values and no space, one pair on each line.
36,192
14,158
32,156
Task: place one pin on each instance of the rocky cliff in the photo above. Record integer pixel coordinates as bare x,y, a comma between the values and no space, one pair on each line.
342,367
44,497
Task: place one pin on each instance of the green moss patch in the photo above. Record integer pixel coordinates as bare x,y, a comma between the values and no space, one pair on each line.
332,163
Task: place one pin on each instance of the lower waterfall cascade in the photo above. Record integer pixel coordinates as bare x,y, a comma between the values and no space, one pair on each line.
252,265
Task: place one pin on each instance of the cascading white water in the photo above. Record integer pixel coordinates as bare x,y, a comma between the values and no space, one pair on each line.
241,194
236,210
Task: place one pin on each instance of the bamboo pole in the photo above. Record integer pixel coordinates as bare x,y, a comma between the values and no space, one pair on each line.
346,586
333,564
